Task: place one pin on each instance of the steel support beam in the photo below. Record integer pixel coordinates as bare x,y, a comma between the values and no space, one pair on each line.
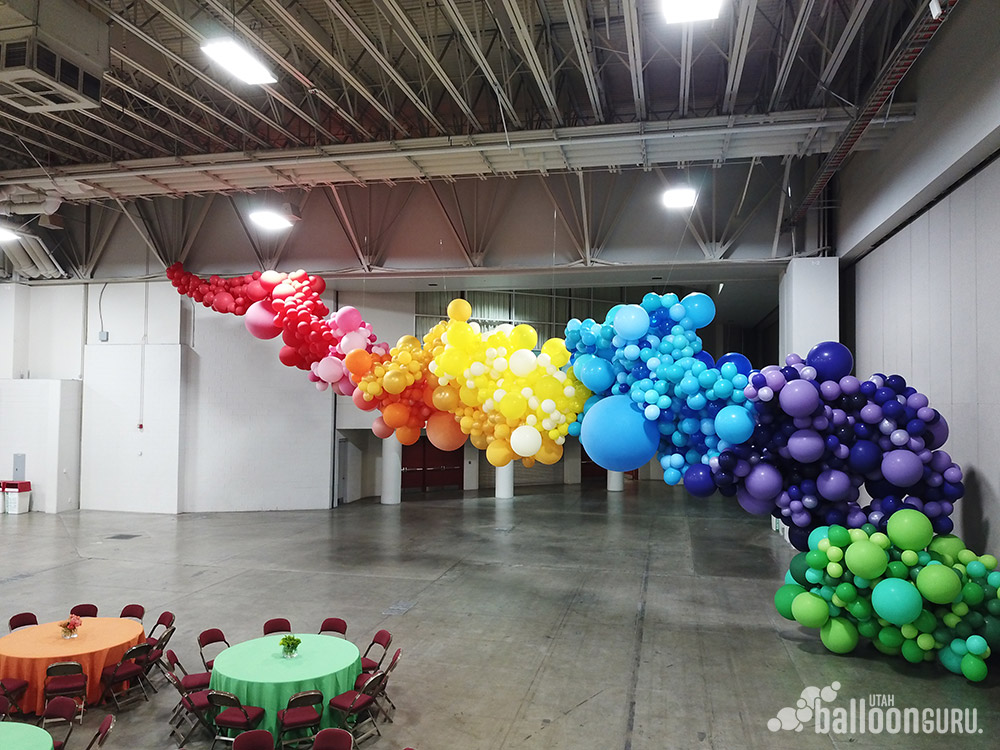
854,22
576,17
738,53
530,56
633,40
791,51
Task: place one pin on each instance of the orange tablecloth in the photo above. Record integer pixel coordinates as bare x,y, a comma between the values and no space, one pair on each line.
25,654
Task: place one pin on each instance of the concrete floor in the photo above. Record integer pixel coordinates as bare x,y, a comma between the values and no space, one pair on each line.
561,619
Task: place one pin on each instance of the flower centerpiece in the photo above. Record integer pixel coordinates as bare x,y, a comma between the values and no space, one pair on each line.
70,626
289,644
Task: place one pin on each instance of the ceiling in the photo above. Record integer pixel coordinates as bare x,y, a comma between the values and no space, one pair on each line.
385,90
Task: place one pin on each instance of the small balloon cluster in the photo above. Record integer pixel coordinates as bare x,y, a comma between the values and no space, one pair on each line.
513,403
288,305
911,593
822,435
234,295
657,392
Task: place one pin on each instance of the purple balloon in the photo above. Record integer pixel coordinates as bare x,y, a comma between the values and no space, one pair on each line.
871,413
830,390
902,467
940,460
764,481
833,485
917,401
953,473
798,398
806,446
753,505
831,359
698,481
938,434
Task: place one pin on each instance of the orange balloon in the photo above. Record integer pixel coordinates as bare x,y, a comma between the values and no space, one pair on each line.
396,415
499,453
444,432
407,435
549,453
358,362
444,398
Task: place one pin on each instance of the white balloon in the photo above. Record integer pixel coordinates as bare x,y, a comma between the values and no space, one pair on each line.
548,406
499,364
522,362
525,441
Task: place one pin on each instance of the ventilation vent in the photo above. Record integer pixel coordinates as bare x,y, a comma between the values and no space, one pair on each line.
37,79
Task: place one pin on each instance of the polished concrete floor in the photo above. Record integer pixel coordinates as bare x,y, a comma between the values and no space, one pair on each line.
565,618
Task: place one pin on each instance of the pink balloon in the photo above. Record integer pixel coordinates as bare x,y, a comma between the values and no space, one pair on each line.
359,401
351,341
321,386
259,321
348,318
330,369
346,387
381,429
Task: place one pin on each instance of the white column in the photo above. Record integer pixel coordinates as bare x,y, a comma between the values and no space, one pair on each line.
616,481
505,481
808,305
470,467
392,470
571,462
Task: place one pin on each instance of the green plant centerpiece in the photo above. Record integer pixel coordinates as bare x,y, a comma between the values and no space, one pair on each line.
289,645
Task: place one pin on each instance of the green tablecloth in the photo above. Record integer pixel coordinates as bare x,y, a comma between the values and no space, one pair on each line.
259,675
24,737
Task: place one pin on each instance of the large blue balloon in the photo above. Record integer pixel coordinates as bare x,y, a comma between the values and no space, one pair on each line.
734,424
700,309
743,366
594,372
631,322
617,436
831,359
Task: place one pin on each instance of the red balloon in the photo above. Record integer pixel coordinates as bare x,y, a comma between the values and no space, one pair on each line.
270,279
358,397
256,291
318,284
223,302
444,432
381,429
289,356
259,321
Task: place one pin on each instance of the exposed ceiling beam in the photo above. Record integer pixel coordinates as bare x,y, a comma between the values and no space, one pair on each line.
738,53
632,38
50,133
191,69
407,31
317,40
530,56
472,47
388,66
791,51
687,59
576,17
854,22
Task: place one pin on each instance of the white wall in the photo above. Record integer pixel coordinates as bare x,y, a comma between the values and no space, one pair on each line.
41,419
809,305
15,314
56,331
927,309
957,125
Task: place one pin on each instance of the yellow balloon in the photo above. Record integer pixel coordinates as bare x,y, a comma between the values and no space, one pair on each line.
408,342
459,309
444,398
468,395
480,441
556,349
452,361
499,453
460,334
513,405
549,453
528,462
523,337
502,431
548,387
394,381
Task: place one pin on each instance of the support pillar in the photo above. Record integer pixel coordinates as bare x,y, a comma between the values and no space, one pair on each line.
505,481
616,481
392,471
808,305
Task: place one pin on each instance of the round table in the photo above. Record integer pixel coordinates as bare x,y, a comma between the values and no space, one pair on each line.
259,675
24,736
26,653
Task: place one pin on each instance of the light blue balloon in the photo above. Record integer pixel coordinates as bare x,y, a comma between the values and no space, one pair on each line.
897,601
734,424
595,373
631,322
700,309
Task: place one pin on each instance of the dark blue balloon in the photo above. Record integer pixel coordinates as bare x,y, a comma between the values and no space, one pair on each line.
727,460
799,537
942,525
896,382
757,380
915,427
698,481
794,492
728,491
705,357
868,389
790,373
893,409
831,359
808,487
743,366
882,395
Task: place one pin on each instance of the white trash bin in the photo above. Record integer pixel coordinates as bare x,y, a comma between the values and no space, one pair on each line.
17,497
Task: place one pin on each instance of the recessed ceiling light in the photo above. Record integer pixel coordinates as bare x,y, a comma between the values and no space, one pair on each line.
431,284
8,236
236,59
657,278
680,197
269,219
686,11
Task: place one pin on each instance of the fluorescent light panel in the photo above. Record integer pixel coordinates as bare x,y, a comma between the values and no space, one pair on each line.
268,219
686,11
236,59
8,236
680,197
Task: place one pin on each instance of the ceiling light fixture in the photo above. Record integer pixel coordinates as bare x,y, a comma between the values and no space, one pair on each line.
270,219
236,59
8,236
686,11
680,197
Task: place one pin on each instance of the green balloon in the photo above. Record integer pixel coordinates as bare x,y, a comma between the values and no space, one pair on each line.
912,652
798,567
839,635
866,559
861,609
926,622
810,610
887,650
838,536
947,545
972,593
993,607
939,584
847,592
974,668
891,637
951,661
909,529
991,631
784,597
816,558
898,569
869,628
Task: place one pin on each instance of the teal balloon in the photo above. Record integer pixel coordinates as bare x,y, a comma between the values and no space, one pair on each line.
594,372
897,601
734,424
700,309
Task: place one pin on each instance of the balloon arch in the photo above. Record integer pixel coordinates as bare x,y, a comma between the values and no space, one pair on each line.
803,442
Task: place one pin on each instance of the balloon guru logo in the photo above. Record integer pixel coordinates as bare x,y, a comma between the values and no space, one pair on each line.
877,713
